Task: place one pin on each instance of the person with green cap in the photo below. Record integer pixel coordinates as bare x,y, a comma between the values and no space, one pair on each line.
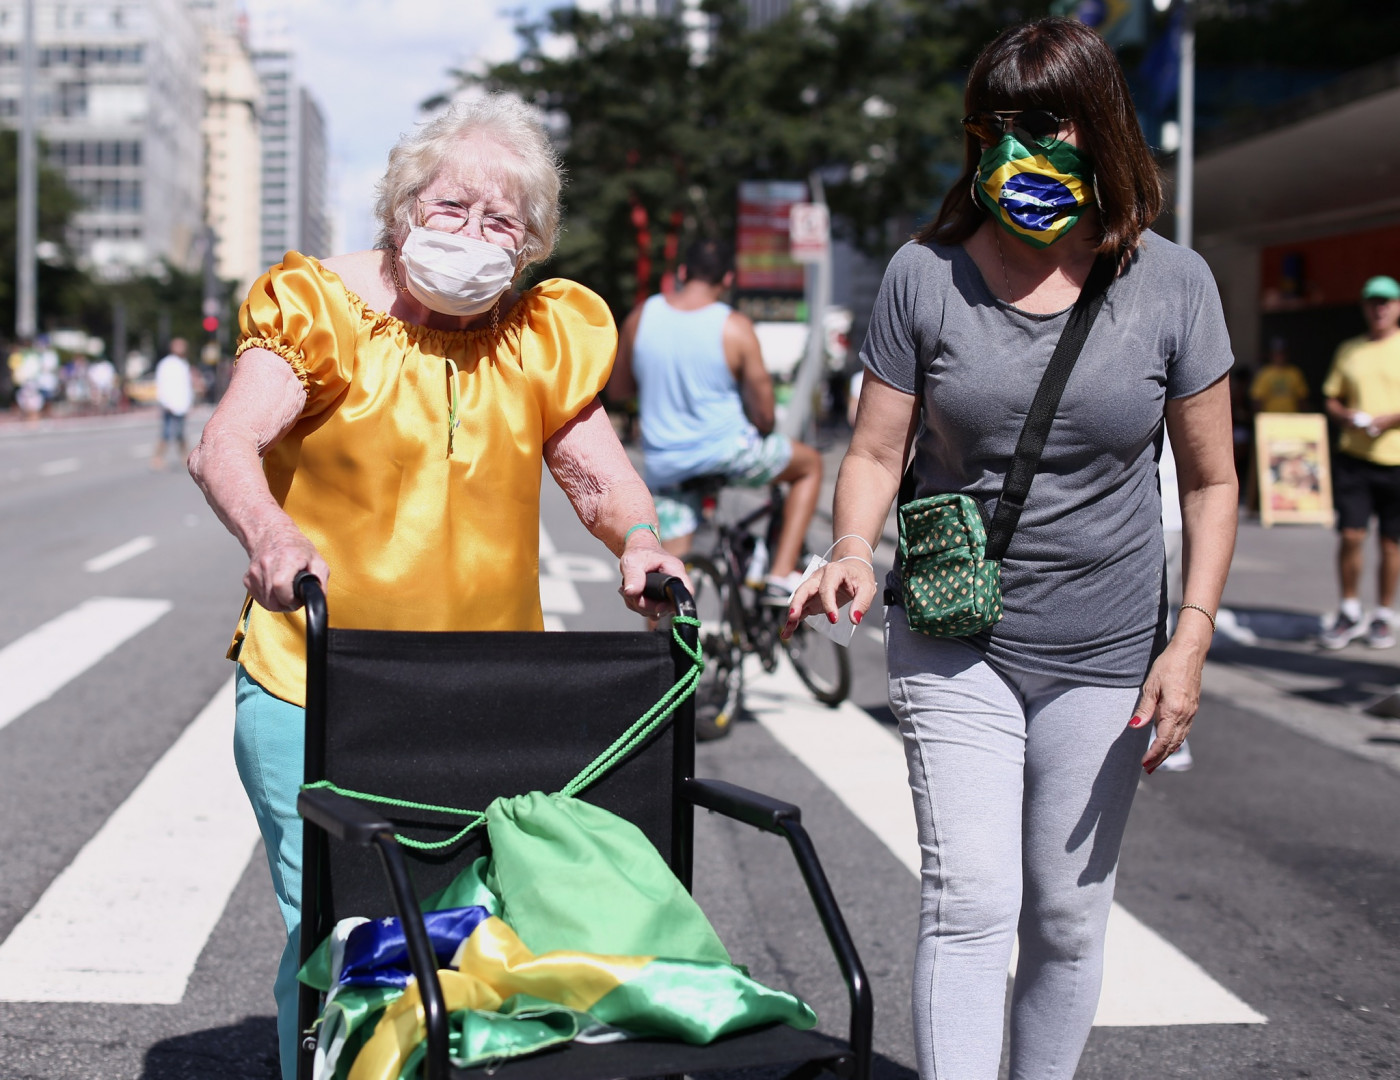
1363,395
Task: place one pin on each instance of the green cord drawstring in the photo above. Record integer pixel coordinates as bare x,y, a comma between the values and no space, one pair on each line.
452,403
610,758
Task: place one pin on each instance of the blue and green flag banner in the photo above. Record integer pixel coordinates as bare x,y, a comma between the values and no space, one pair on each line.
1118,22
575,929
1037,194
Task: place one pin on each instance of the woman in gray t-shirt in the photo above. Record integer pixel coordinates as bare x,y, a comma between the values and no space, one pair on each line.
1025,742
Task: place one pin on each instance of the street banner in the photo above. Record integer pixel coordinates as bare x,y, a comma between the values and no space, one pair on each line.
1295,471
1118,22
763,256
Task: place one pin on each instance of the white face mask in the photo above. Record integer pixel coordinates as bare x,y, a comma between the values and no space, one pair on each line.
454,274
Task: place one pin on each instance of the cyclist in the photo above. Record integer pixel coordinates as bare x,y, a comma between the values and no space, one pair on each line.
706,405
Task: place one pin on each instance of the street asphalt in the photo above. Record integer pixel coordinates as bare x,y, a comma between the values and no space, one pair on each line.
1273,865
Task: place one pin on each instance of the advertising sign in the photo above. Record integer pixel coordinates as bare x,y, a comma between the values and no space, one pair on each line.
763,257
1295,473
810,231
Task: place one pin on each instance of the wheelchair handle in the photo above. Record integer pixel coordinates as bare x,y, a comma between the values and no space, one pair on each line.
667,589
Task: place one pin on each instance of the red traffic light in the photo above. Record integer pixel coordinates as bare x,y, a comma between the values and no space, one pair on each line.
211,323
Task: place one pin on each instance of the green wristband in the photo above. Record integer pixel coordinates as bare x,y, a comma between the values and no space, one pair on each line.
641,525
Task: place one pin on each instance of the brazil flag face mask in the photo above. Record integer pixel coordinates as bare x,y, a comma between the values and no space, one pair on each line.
1037,194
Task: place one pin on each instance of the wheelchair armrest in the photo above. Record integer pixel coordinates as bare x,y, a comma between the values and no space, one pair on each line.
784,819
741,804
356,823
343,818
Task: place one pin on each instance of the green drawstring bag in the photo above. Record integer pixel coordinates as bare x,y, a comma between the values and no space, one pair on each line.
572,876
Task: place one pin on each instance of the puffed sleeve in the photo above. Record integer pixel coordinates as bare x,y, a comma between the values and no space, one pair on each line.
568,344
301,312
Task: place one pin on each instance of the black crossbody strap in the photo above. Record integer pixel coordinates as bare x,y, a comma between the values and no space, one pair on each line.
1047,399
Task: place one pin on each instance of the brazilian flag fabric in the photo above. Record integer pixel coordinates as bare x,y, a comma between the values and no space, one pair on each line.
1035,193
574,929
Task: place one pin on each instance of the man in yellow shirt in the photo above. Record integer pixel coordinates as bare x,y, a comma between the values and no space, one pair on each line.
1363,395
1279,387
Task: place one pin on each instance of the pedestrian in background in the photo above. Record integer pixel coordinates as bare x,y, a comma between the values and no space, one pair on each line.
174,395
1279,386
1026,742
1363,395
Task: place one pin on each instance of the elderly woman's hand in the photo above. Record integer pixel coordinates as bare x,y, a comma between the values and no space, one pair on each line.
644,555
829,589
279,555
1170,696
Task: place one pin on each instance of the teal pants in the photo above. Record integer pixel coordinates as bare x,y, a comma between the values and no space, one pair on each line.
268,741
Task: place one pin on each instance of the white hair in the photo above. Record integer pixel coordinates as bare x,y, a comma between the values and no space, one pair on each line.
526,166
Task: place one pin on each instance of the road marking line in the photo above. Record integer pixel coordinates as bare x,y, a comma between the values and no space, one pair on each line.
557,594
119,554
1147,981
126,921
554,624
59,467
36,666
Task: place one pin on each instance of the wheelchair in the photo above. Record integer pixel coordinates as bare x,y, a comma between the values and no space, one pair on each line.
459,719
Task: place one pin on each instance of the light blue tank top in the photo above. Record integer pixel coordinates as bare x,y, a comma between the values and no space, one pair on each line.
692,415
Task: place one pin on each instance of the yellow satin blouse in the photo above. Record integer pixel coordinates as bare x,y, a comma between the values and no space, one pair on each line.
416,538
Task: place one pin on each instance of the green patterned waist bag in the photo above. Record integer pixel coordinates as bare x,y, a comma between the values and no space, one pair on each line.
949,556
951,588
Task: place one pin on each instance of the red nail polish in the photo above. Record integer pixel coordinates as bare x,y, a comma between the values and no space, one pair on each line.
831,616
1151,770
856,617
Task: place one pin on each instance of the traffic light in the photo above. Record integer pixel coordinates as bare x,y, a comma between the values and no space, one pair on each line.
211,324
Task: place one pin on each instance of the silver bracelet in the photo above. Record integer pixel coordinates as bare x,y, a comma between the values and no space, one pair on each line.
1203,611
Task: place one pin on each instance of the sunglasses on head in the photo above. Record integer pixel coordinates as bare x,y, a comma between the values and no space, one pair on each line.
1038,125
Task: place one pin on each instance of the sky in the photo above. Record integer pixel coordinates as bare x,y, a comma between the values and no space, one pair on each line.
370,63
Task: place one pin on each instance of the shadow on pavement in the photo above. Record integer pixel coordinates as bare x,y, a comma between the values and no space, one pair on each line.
246,1050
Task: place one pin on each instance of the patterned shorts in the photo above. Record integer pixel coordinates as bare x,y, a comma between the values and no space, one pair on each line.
757,462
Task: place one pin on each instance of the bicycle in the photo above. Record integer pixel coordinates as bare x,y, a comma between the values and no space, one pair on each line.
736,621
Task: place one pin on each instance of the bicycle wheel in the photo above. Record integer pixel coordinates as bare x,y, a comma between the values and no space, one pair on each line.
720,691
823,666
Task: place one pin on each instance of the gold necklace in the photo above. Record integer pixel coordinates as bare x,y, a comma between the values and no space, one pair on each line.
1010,299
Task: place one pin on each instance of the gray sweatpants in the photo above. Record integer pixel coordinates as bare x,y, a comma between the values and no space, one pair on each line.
1022,785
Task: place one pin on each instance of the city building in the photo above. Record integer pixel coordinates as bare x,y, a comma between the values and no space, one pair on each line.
1295,208
232,144
294,155
119,107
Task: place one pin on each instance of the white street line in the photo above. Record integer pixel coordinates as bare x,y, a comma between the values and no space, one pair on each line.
1147,981
33,668
557,593
554,624
126,921
119,554
59,467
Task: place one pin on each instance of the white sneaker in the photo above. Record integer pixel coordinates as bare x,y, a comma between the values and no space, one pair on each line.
1181,760
778,588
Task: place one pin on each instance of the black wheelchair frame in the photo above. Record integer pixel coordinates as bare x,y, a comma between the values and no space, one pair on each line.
359,825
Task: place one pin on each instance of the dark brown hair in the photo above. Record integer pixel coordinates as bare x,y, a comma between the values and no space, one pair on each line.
1063,66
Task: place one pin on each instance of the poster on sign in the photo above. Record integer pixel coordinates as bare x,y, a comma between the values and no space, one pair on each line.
809,226
1295,480
763,257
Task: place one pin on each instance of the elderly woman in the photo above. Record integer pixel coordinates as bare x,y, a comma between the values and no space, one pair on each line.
384,430
1026,741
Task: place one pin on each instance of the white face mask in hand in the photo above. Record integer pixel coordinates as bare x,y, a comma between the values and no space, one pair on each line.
454,274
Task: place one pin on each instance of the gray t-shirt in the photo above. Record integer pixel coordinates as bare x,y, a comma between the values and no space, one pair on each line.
1082,578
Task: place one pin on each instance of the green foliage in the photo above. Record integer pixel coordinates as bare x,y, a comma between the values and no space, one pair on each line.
870,96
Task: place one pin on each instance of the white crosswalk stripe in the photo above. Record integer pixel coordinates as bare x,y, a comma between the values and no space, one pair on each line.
1147,982
119,554
33,668
126,921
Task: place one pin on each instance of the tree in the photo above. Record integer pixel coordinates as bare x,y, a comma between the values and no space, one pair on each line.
656,133
57,277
